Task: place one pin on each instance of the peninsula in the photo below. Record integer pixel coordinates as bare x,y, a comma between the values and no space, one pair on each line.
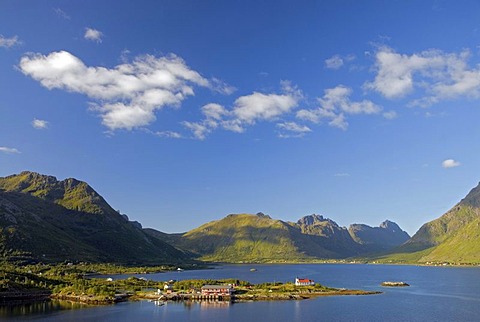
242,291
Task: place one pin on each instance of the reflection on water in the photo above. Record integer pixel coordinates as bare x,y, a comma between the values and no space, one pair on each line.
45,307
214,304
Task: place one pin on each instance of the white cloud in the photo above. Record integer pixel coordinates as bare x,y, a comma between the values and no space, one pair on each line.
61,13
259,106
93,35
125,116
292,130
199,129
126,96
342,174
163,134
450,163
294,127
337,61
255,107
9,42
339,122
338,98
439,75
7,150
214,111
334,104
39,124
222,87
334,62
309,115
247,110
395,71
168,134
390,115
233,126
214,114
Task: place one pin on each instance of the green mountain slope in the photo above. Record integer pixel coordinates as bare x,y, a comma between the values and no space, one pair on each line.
259,238
42,218
69,193
454,237
243,237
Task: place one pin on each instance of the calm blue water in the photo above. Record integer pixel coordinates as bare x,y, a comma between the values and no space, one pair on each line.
435,294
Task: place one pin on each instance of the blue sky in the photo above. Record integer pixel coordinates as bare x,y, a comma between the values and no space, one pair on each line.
181,112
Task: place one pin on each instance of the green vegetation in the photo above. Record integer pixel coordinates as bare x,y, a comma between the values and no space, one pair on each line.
75,282
242,237
50,221
186,285
259,239
289,291
45,220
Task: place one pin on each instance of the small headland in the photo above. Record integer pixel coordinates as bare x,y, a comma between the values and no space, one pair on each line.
75,282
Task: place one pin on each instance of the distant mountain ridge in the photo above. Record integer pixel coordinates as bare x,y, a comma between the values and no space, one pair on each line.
42,218
384,237
259,238
45,219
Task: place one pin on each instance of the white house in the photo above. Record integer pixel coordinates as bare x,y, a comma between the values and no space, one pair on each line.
303,282
168,287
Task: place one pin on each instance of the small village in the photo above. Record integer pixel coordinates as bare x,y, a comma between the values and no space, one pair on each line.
300,288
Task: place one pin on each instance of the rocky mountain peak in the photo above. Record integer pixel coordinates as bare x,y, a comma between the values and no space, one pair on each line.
262,215
70,193
472,198
311,220
390,225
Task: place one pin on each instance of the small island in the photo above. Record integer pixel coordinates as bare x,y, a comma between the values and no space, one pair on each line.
243,291
395,284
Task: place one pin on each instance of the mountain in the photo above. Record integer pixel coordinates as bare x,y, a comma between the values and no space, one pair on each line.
259,238
454,237
44,219
329,234
246,238
384,237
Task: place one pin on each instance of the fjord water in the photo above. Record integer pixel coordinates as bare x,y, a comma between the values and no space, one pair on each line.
435,294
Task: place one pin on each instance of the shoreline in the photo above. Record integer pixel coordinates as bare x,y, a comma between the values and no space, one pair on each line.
245,298
23,298
239,298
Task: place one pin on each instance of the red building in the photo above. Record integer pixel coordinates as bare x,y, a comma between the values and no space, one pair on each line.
217,290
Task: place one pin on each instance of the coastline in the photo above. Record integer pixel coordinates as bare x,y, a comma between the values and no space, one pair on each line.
254,297
181,297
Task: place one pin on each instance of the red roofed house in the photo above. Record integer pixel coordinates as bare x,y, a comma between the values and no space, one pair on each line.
217,290
303,282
